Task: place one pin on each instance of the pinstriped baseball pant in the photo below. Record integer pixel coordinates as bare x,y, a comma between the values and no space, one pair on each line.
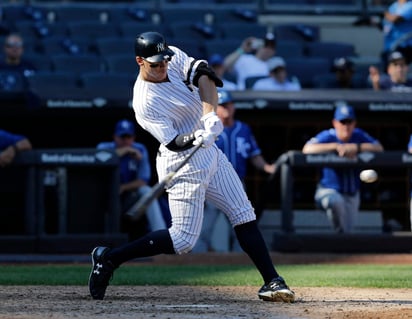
208,175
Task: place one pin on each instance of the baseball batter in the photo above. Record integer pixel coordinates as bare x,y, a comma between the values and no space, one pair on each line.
174,99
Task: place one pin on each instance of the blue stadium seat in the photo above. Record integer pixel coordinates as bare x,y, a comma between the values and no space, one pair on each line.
173,15
92,30
297,32
243,30
122,63
192,47
291,49
42,62
115,45
106,80
192,31
306,68
330,50
53,83
72,13
130,29
41,29
65,45
221,46
78,63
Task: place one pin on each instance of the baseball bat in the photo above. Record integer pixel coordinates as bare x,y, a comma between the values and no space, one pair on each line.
139,208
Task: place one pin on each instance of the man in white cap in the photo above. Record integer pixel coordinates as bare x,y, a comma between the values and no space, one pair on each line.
278,78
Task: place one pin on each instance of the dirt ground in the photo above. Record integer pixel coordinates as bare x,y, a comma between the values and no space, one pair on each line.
198,302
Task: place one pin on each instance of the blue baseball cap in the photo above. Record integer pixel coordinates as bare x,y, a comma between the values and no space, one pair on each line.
124,127
344,112
215,59
224,96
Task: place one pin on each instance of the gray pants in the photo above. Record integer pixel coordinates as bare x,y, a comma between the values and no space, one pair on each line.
341,209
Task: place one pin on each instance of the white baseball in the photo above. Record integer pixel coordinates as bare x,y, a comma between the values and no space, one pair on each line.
368,176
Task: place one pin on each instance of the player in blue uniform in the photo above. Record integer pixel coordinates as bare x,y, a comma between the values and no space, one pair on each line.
10,145
338,190
239,145
135,174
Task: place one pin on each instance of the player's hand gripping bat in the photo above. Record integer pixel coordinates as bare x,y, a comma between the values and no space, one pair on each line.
139,208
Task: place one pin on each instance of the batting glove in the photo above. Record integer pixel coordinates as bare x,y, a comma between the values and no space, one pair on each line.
212,123
204,137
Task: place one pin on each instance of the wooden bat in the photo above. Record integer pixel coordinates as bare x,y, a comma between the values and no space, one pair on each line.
139,208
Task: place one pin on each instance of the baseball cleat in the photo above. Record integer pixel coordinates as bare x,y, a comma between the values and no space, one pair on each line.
102,272
276,291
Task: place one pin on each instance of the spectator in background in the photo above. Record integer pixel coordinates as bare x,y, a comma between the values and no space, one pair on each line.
338,190
251,58
10,145
13,56
240,147
278,78
344,76
216,63
397,30
410,151
135,174
397,79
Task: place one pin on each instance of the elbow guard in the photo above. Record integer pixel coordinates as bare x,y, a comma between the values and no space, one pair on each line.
202,69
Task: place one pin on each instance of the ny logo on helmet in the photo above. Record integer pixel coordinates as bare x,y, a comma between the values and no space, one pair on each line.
160,47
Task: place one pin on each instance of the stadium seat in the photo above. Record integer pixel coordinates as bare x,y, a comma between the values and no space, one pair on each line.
330,50
42,62
65,45
130,29
192,47
306,68
297,32
92,30
235,15
53,83
173,15
192,31
41,29
115,45
106,80
243,30
292,49
122,63
72,13
221,46
250,81
78,63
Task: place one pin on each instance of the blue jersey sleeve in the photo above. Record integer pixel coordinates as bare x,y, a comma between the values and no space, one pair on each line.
7,139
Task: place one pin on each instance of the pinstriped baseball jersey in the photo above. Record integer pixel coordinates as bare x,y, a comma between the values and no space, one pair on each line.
170,108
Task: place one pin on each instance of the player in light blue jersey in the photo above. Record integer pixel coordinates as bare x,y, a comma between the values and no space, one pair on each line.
338,190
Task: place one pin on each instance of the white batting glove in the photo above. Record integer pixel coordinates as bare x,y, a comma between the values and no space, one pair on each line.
212,123
204,137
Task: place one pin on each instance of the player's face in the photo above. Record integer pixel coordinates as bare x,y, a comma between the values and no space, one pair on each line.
225,112
124,140
398,71
344,128
153,72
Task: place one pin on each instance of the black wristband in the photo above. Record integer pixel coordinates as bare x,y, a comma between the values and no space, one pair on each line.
181,142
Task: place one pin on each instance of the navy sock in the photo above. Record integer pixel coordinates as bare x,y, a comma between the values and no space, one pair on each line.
252,242
154,243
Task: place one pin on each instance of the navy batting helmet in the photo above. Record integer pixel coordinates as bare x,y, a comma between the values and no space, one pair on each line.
152,47
224,96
